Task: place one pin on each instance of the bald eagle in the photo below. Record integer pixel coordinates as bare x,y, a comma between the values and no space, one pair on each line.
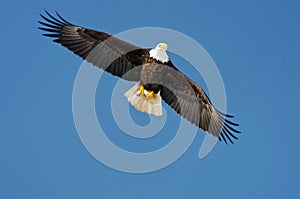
156,76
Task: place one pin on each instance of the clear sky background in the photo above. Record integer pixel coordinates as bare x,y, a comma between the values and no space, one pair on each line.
256,46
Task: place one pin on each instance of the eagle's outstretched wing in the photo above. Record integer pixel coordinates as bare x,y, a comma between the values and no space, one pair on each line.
99,48
119,57
189,100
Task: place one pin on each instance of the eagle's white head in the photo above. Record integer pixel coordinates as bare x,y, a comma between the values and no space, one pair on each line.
160,52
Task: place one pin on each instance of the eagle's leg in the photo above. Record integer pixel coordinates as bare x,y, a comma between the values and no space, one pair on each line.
141,90
151,90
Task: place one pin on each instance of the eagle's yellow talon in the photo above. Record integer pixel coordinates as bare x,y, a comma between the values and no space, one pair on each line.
150,95
142,90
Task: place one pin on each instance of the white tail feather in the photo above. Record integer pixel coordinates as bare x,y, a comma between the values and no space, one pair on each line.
142,103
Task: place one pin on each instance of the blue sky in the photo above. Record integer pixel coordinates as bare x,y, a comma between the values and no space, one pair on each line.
256,47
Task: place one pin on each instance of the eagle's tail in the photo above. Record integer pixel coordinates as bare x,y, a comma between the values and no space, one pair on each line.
142,103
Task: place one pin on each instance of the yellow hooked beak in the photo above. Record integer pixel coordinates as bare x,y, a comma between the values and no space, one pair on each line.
164,46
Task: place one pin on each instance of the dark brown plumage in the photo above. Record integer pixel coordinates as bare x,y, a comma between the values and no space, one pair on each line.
129,62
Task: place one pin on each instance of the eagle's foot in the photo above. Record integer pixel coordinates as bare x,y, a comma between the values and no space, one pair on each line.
150,95
141,91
